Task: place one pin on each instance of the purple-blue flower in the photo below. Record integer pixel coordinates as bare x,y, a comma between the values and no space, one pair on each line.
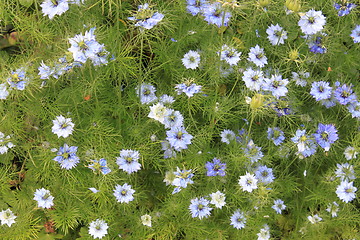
195,6
66,156
276,135
326,135
215,14
182,179
216,167
199,208
178,138
306,145
100,166
264,174
344,94
128,161
344,8
320,90
189,90
145,17
253,152
18,79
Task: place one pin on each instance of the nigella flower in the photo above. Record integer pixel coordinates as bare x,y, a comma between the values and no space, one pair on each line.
227,136
354,109
145,17
98,228
276,85
146,220
158,112
99,166
45,71
344,8
128,161
326,135
314,219
281,107
63,127
278,206
315,44
146,92
264,233
300,78
257,56
248,182
355,34
66,156
169,151
124,193
18,79
7,217
166,99
215,14
264,174
182,179
346,191
44,198
276,34
194,6
230,55
238,219
178,138
350,153
306,145
320,90
253,152
5,143
191,59
333,208
345,171
3,91
216,167
218,199
173,118
344,94
276,135
52,8
188,89
254,79
312,22
199,208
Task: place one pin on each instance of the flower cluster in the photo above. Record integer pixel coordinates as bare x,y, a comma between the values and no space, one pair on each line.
145,17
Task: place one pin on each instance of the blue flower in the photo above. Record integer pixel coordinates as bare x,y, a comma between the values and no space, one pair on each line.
227,136
195,6
345,171
276,85
124,193
199,208
257,56
188,89
145,17
320,90
344,8
278,206
344,94
215,168
178,138
230,55
254,79
66,156
44,198
100,166
169,151
276,135
253,152
128,161
326,135
45,71
238,220
3,91
18,79
355,34
182,179
51,8
173,119
306,145
346,191
215,14
146,92
354,109
316,46
264,174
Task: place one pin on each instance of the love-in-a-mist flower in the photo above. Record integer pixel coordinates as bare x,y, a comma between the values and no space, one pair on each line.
238,219
218,199
325,135
199,208
355,34
182,179
344,94
333,208
5,143
214,13
316,45
7,217
312,22
67,157
128,161
158,112
146,17
51,8
173,118
99,166
248,182
264,233
146,220
191,59
18,79
227,136
215,168
350,153
230,55
346,191
264,174
314,219
98,228
276,34
277,85
345,171
300,78
254,79
344,8
44,198
253,152
320,90
306,145
188,88
3,91
124,193
146,93
278,206
194,6
276,135
63,127
257,56
178,138
354,109
169,152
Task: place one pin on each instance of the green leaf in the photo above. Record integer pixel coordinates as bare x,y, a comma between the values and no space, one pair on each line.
26,3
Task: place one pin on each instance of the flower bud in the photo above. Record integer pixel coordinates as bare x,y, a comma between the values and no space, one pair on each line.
293,55
256,101
293,5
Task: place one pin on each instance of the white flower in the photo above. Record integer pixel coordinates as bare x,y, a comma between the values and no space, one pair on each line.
276,34
264,233
3,92
98,228
44,198
94,190
248,182
146,220
158,112
257,56
333,208
191,59
7,217
346,191
218,199
350,153
63,127
51,9
312,22
227,136
5,144
230,55
314,219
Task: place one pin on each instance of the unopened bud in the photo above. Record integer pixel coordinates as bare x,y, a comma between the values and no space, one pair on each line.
293,5
257,101
264,3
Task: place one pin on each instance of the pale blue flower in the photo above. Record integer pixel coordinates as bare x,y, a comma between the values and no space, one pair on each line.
51,8
66,156
238,219
279,206
178,138
199,208
128,161
44,198
124,193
